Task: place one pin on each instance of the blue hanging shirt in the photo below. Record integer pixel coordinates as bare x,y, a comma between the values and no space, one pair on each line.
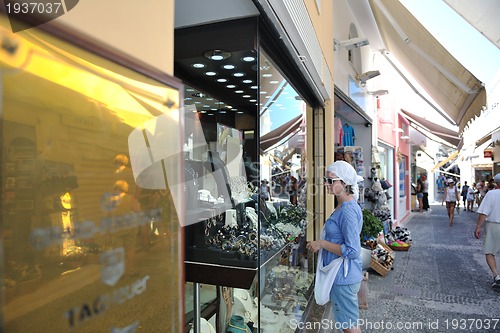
348,138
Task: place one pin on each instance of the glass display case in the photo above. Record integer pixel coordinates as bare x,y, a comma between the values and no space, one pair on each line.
245,160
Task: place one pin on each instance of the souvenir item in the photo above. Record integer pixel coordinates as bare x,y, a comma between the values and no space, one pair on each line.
237,325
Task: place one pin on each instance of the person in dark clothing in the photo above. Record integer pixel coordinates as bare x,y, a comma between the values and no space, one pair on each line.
463,193
425,192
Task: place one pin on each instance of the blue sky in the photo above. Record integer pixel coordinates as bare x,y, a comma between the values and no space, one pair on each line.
463,41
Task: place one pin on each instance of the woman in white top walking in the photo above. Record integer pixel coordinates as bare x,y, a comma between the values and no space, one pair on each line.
451,198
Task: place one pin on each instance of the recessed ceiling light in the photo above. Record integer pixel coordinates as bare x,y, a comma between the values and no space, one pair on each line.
231,86
217,55
274,82
189,89
188,98
198,65
239,112
239,91
203,111
197,102
246,96
229,107
254,87
206,106
247,81
222,111
210,73
200,94
194,111
248,59
253,100
210,99
221,80
263,92
210,114
238,74
267,75
229,66
213,109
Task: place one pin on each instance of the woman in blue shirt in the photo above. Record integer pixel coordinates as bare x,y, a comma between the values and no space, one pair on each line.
342,230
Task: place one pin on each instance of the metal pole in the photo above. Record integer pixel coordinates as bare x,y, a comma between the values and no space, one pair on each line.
196,308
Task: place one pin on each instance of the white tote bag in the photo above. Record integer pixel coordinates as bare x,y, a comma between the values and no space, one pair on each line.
325,275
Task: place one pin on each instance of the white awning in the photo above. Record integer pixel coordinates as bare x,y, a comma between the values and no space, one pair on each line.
451,85
481,15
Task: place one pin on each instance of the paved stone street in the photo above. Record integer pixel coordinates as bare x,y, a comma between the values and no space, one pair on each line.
442,284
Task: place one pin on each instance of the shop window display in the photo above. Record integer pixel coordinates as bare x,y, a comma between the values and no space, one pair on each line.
251,246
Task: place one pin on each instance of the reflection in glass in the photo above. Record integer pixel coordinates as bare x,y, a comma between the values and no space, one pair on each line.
87,245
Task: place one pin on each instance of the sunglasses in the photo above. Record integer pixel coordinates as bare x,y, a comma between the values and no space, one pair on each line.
330,181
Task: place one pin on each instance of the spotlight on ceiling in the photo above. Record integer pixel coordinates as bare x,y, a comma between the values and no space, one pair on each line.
363,77
350,44
217,55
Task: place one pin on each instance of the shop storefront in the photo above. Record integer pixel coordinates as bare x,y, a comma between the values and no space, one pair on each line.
248,146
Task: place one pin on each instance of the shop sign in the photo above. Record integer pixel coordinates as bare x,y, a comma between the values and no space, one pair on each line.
81,313
488,154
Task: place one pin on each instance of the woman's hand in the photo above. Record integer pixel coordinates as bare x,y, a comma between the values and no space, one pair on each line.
314,246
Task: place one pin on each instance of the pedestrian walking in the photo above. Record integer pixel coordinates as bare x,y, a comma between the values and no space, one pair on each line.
425,192
489,216
420,194
340,241
451,197
463,193
471,197
482,189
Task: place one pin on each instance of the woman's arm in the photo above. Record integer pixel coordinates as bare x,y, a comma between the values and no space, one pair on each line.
350,231
317,245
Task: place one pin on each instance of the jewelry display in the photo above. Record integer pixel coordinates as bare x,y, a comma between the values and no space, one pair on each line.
244,306
231,220
239,188
190,185
252,215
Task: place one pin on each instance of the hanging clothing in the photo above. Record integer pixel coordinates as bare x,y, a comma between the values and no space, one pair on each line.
338,130
348,138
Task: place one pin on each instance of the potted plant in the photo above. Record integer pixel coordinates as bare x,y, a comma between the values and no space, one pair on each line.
372,226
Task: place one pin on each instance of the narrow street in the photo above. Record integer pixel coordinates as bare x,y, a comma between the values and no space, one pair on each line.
442,284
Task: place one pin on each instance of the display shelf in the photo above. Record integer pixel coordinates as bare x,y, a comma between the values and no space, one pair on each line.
221,275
